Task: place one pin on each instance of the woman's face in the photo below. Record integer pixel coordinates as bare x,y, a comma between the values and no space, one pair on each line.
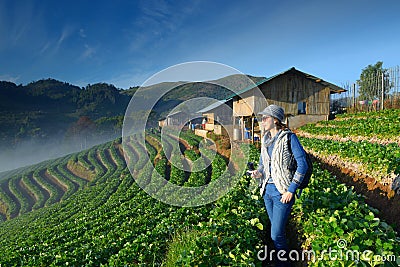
267,123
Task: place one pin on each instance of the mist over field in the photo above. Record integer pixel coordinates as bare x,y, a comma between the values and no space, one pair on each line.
30,152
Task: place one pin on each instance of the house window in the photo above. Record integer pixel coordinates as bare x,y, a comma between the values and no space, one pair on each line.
301,108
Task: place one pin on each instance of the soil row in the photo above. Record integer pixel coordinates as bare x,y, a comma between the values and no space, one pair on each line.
374,139
376,195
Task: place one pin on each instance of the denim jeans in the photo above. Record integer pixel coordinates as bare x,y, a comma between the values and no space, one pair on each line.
278,214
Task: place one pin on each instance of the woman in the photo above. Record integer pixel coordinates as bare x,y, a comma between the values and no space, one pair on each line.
280,174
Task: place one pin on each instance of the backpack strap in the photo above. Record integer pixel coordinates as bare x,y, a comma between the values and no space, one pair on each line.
289,142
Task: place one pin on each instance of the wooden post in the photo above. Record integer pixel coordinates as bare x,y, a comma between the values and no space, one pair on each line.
383,90
231,134
354,97
252,129
242,128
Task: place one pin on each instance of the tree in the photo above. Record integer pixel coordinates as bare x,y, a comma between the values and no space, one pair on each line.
370,82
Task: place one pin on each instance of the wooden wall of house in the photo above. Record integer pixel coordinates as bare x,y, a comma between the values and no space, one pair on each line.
243,106
251,102
177,119
290,89
209,117
222,113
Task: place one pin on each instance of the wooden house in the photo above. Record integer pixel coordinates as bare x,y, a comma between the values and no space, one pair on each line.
176,118
217,114
304,97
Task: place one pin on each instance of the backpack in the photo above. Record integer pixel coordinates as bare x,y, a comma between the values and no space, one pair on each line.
309,171
396,185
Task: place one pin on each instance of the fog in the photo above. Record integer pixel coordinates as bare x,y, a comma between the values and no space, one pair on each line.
31,152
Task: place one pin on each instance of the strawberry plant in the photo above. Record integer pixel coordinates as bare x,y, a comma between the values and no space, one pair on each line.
333,217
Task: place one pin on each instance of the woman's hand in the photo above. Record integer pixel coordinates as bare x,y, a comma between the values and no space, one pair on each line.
255,174
286,197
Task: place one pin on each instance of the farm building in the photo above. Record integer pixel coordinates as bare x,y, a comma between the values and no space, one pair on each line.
217,114
304,97
176,118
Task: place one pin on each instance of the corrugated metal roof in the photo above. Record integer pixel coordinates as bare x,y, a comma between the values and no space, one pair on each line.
249,87
213,105
175,113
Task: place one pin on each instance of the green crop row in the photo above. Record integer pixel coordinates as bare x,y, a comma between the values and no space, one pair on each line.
395,113
116,223
139,150
117,158
340,229
82,158
71,186
376,157
54,193
12,207
92,159
199,174
40,190
62,169
36,191
384,124
13,185
192,139
231,236
131,156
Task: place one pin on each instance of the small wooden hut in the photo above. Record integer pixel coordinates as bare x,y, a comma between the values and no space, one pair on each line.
304,97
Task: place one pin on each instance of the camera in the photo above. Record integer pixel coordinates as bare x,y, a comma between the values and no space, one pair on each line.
250,167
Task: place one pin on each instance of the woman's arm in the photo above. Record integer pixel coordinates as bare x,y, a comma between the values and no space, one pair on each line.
259,172
300,157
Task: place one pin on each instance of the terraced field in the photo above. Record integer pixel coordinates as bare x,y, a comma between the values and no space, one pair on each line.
363,151
86,209
54,181
365,145
91,198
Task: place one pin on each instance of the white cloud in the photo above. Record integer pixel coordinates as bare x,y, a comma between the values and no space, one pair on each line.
10,78
67,32
45,47
88,52
82,33
157,23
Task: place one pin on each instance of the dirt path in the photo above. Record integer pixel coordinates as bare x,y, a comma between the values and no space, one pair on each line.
44,191
28,194
100,161
79,174
6,190
58,188
56,181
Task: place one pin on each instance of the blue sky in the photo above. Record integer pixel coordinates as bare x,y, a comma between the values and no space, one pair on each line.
125,42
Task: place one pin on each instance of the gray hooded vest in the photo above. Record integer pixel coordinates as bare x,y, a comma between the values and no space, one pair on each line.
281,161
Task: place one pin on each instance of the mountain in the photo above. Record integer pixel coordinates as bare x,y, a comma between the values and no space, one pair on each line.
49,118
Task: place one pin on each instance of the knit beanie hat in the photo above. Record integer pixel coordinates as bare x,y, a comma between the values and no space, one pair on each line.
274,111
